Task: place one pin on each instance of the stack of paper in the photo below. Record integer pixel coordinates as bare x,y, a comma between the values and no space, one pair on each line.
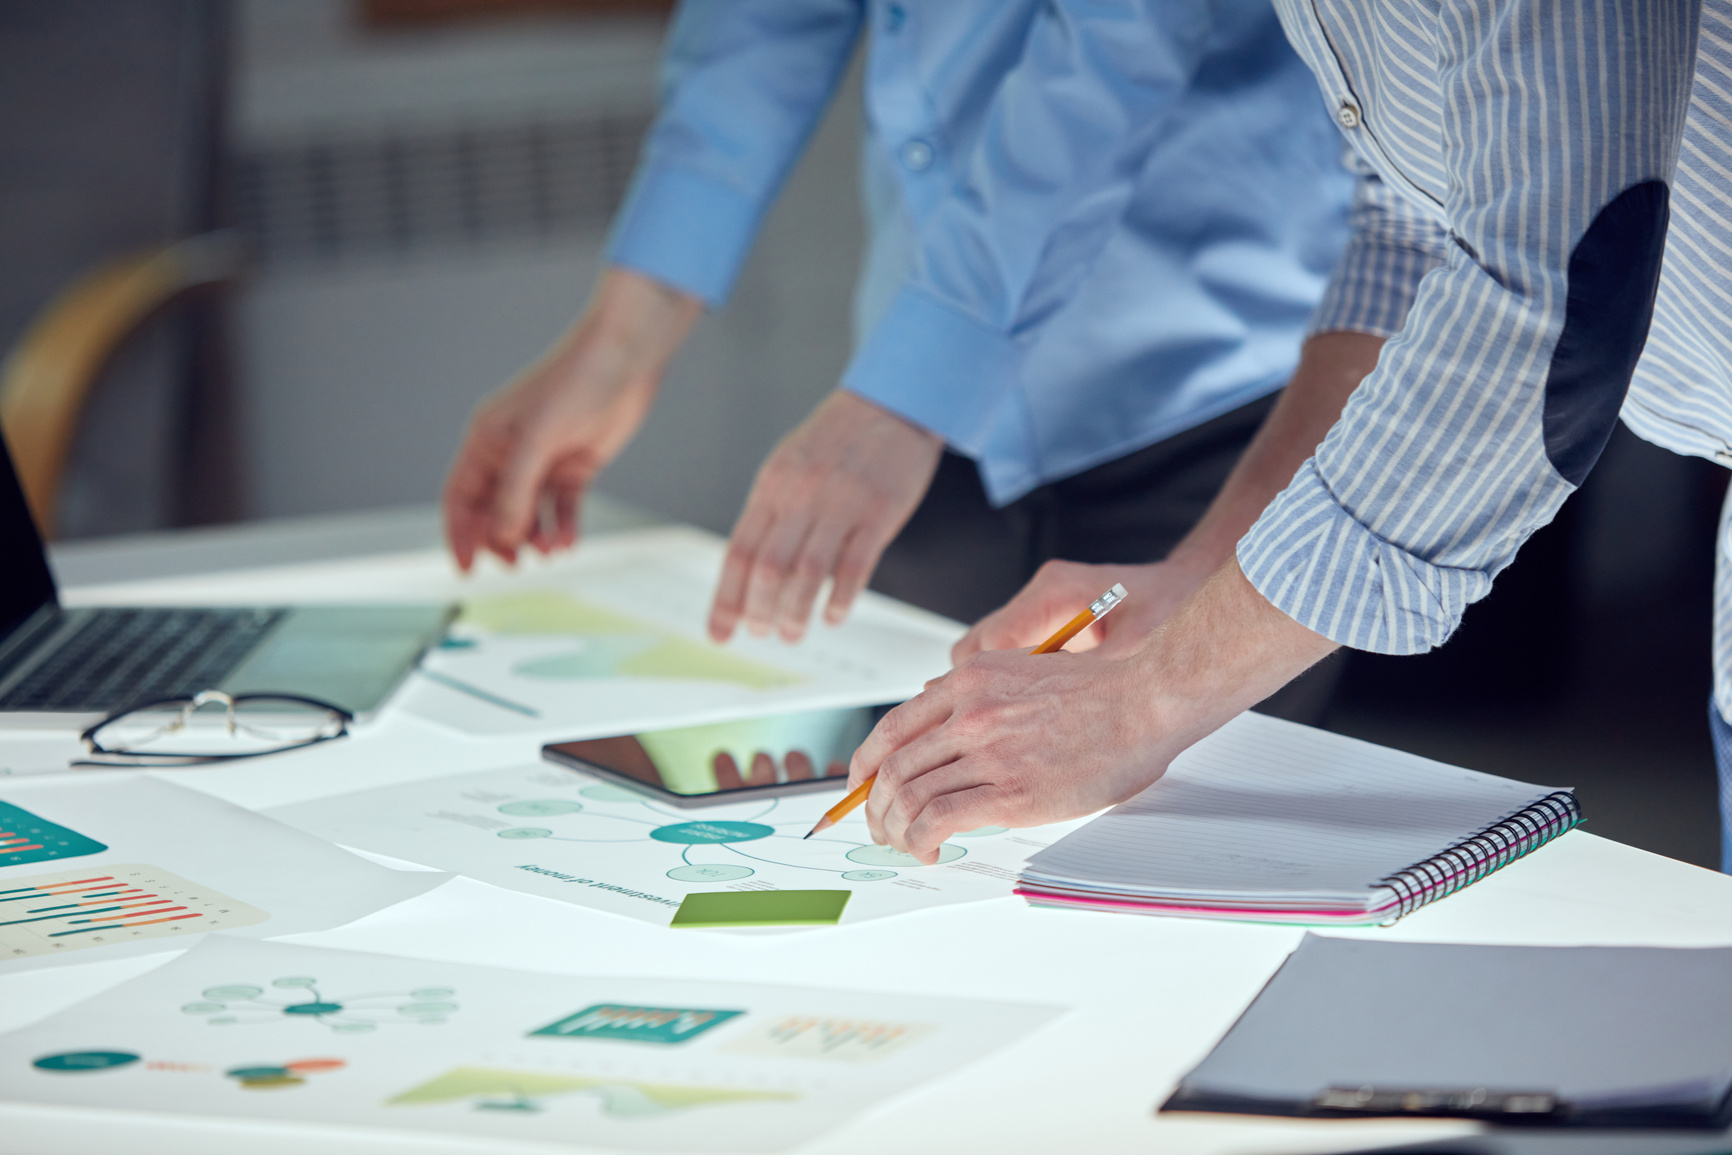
1273,822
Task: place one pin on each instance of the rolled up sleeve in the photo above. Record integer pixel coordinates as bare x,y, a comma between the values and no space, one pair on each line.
1496,395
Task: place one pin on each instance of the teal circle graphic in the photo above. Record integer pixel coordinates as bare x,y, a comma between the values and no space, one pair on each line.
293,981
982,832
432,993
709,873
602,792
540,809
235,992
74,1061
869,875
698,833
203,1008
313,1009
526,832
426,1008
884,856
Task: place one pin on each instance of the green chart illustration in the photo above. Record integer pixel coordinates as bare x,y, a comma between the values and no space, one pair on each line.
25,837
524,1092
709,850
297,998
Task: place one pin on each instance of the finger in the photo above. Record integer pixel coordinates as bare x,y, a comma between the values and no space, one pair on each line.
468,494
948,813
727,772
853,570
836,770
935,768
897,728
896,795
516,500
799,766
817,559
730,601
763,770
773,567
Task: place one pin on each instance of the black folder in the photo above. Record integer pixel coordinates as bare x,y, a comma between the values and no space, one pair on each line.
1536,1036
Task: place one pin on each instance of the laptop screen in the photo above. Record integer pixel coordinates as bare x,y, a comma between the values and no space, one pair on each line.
25,583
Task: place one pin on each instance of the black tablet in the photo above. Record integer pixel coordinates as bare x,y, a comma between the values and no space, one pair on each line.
725,762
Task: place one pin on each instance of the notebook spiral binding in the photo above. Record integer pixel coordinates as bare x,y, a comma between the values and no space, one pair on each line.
1473,858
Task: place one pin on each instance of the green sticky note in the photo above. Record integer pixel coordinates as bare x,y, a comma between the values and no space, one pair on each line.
762,908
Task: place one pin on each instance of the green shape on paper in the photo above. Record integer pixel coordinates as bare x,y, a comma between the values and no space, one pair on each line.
76,1061
702,833
663,1025
545,612
762,908
620,1097
26,838
615,645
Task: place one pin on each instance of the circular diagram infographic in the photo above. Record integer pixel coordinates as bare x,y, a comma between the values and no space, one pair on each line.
710,849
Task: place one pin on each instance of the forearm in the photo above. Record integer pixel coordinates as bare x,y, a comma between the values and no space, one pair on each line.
1331,365
630,330
1223,652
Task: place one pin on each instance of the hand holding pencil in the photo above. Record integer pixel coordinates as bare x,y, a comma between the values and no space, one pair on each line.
1096,610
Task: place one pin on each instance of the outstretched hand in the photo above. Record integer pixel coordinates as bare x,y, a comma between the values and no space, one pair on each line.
534,446
824,506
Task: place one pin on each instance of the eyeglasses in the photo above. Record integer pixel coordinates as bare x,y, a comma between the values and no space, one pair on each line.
183,732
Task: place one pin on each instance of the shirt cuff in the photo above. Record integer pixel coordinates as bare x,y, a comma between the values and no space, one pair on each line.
685,229
1372,288
938,367
1327,571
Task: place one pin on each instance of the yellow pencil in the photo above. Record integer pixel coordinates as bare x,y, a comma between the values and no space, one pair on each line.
1096,611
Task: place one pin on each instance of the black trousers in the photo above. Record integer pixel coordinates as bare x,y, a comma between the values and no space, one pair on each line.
960,557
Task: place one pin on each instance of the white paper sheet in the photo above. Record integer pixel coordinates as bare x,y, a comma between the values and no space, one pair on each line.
107,864
556,832
614,640
305,1033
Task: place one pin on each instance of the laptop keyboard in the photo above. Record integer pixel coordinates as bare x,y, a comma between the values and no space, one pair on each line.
121,657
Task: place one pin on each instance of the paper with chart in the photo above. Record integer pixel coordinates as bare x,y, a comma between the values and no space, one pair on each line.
615,641
260,1029
109,864
555,832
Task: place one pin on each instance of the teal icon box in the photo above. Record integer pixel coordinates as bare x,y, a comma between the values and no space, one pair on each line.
26,838
663,1025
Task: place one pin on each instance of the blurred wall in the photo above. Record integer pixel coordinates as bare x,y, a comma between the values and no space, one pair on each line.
430,206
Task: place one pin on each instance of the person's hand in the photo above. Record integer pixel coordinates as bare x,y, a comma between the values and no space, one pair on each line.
825,504
761,771
1062,589
534,446
1006,739
1017,739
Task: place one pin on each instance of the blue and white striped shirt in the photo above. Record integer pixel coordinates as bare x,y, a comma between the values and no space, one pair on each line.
1519,160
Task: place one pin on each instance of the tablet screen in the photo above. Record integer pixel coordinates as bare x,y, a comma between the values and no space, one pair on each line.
722,761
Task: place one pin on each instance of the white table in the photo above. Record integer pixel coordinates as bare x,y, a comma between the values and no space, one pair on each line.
1149,996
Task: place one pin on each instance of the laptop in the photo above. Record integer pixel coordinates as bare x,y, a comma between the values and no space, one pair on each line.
63,667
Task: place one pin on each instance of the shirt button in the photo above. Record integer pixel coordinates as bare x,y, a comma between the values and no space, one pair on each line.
894,16
917,156
1347,116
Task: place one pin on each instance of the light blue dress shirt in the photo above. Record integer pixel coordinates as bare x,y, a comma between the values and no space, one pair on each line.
1093,224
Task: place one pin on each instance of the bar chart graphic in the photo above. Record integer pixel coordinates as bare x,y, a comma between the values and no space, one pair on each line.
26,838
103,905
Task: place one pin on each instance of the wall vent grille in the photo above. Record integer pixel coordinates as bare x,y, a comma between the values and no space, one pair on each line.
324,199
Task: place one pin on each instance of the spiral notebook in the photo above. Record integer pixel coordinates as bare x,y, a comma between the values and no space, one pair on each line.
1270,821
